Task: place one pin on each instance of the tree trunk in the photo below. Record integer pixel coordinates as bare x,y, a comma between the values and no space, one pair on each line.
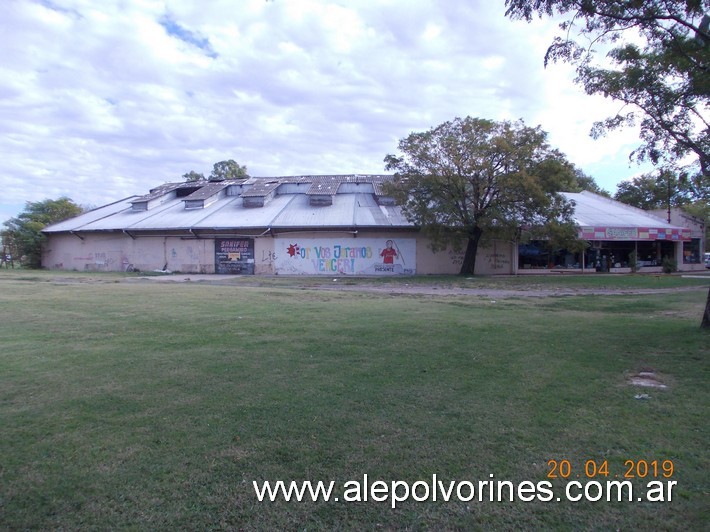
469,260
706,317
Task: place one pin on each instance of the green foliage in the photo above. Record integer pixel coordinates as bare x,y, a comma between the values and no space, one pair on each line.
472,178
222,170
669,265
193,176
651,191
583,182
660,72
655,191
645,192
228,170
23,233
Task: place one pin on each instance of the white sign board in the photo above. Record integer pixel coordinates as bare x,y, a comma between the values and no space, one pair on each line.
352,256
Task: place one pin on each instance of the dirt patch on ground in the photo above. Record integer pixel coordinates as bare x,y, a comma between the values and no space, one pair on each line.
419,288
647,379
496,292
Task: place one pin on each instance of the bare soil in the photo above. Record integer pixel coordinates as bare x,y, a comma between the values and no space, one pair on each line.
419,288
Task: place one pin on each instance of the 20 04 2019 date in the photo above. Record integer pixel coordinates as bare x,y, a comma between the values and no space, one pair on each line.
600,468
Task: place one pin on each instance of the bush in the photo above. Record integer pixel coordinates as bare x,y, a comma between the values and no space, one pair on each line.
669,265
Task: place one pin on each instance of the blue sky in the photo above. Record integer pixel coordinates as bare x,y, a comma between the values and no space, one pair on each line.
103,100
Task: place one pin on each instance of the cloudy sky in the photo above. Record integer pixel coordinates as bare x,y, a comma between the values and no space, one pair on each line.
100,100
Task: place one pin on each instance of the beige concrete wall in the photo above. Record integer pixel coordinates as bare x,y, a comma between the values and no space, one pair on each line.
264,256
495,257
119,251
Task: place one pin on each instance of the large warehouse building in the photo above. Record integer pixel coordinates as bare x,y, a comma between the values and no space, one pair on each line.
329,225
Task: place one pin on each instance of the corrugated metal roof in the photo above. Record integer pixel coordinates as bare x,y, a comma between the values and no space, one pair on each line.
327,189
94,216
208,190
159,191
232,214
350,209
260,187
594,210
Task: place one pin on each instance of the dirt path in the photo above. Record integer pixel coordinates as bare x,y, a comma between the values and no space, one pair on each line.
340,285
501,293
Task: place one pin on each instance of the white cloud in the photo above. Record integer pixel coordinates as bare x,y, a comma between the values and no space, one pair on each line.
101,100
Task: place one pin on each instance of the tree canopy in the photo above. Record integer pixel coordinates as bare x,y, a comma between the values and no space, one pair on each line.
654,191
470,178
23,233
660,56
660,71
651,191
222,170
583,181
229,169
193,176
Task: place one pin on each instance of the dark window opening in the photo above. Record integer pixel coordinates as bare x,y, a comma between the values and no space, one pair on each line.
601,256
185,191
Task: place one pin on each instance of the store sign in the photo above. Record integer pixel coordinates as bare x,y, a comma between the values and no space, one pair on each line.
621,233
234,255
634,233
357,256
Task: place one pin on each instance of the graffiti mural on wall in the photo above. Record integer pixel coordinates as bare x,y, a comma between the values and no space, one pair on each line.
361,256
497,261
456,257
234,255
268,256
99,260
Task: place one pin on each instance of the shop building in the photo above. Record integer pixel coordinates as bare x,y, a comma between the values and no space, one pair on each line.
615,233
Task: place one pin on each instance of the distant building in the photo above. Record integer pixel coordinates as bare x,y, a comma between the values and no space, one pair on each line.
319,225
694,249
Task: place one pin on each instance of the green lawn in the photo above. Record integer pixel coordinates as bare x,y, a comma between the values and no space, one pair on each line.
144,405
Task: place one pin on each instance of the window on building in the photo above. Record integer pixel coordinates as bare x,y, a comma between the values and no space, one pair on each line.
691,251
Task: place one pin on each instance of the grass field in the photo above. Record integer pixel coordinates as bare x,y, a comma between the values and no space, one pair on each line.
128,403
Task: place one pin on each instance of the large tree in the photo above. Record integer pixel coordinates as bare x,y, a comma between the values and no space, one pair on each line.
24,232
470,178
651,191
659,70
658,61
193,176
229,169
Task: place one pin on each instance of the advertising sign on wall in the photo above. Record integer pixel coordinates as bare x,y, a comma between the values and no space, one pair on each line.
234,255
634,233
356,256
